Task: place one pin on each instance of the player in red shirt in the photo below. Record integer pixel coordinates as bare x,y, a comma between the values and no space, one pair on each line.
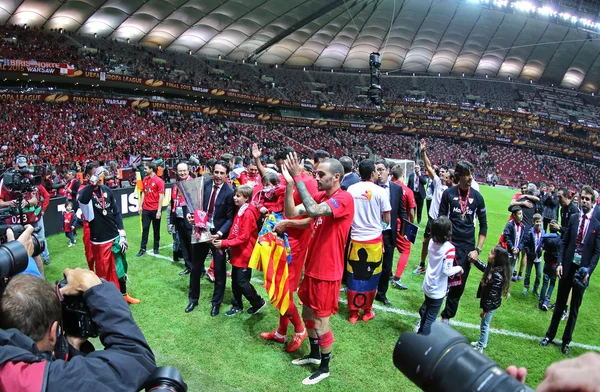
151,206
402,244
299,237
332,211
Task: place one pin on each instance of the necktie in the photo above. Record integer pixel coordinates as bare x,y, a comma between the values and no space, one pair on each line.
580,233
211,205
384,186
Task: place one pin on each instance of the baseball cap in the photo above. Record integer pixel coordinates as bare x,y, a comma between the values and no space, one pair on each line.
21,162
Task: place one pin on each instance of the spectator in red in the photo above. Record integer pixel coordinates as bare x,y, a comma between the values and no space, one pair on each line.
151,207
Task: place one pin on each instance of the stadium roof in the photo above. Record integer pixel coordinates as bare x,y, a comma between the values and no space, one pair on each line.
444,36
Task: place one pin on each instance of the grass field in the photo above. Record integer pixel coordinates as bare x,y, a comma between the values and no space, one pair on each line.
226,353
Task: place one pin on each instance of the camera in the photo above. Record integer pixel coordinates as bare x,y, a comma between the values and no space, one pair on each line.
38,246
445,361
18,180
76,315
165,379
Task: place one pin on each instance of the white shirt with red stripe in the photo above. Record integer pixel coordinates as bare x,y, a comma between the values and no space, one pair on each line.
440,267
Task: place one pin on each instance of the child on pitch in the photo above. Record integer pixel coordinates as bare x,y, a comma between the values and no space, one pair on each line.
513,236
69,223
440,267
494,285
241,241
532,244
551,247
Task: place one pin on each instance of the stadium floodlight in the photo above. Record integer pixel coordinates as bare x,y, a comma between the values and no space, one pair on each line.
500,3
524,6
565,15
574,19
547,11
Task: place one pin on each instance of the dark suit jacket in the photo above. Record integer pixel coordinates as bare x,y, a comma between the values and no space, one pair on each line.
398,209
422,182
224,207
351,179
591,245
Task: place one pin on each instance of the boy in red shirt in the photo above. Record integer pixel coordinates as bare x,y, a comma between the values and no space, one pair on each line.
69,222
241,240
151,206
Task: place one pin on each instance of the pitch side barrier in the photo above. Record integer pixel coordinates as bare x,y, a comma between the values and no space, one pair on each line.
127,201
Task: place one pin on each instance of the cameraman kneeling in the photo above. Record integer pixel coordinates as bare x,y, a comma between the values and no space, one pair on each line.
30,315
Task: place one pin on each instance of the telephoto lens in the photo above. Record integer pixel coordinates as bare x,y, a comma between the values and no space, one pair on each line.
444,361
165,379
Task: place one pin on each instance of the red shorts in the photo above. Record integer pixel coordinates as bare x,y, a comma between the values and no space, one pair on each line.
295,267
402,244
320,295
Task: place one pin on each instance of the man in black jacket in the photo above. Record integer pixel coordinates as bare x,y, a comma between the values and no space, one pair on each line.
178,221
30,315
417,182
395,193
218,204
577,259
567,208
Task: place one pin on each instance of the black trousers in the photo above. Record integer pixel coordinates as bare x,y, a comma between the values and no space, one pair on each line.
428,312
428,204
240,285
456,292
386,266
565,285
185,241
147,218
419,201
199,253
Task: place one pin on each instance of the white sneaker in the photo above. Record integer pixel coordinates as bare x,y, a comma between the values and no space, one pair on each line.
417,326
315,378
307,360
70,244
445,321
476,343
478,348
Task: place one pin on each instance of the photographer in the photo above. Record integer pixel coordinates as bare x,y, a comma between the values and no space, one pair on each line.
30,318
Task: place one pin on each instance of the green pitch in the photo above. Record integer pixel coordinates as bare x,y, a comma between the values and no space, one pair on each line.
225,353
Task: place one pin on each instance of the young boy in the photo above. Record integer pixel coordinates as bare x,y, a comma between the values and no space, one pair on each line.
69,223
440,268
551,247
241,240
513,238
532,244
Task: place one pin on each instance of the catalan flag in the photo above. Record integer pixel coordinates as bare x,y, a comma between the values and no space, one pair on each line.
272,254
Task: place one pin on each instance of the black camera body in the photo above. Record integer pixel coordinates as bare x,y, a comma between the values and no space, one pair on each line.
76,316
18,181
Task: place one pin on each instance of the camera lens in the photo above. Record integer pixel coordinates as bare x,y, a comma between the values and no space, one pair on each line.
445,361
13,259
165,379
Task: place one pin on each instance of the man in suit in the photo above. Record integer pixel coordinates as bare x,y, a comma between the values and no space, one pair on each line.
577,259
350,178
394,193
417,183
178,221
218,204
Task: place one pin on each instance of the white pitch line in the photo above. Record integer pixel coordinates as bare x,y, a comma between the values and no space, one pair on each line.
452,323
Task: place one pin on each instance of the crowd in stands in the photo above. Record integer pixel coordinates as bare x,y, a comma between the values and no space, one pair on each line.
70,134
339,88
